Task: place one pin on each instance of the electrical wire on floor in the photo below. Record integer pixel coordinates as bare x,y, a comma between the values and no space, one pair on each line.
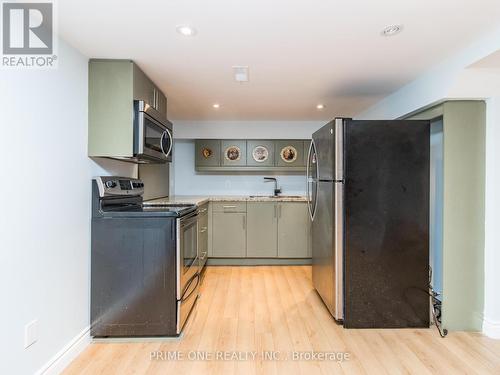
436,307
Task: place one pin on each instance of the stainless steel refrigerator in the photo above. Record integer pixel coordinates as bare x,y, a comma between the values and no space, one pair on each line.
368,192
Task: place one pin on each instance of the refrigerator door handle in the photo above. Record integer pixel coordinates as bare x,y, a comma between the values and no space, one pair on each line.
307,179
339,150
309,197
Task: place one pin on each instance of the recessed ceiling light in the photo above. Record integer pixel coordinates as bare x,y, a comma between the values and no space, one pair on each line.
216,105
320,107
392,30
186,30
240,73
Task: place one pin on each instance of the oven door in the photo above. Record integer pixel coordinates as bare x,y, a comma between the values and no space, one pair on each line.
153,138
187,252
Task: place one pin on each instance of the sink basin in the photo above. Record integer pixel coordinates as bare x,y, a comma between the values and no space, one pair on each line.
275,197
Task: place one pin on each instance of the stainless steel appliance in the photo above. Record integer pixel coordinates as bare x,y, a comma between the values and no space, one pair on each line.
153,138
368,192
144,262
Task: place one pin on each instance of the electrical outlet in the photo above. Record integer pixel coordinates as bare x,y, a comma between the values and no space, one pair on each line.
30,333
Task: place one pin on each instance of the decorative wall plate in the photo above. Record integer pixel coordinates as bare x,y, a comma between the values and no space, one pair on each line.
260,154
288,154
207,152
232,153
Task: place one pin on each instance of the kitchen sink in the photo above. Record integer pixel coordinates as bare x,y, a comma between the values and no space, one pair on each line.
276,196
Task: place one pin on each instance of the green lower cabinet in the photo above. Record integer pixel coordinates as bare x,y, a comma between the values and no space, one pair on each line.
293,230
229,234
262,230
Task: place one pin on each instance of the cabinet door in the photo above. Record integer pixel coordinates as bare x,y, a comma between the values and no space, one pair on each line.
207,153
234,153
293,230
290,153
229,234
144,89
262,229
162,103
307,144
260,153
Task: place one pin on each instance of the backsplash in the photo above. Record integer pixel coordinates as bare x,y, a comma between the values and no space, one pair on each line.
188,182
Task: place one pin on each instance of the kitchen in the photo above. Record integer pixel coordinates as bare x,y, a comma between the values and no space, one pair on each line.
200,197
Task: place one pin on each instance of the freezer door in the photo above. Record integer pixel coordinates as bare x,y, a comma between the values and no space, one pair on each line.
327,247
324,141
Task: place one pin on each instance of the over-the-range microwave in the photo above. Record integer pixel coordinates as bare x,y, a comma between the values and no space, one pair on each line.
153,137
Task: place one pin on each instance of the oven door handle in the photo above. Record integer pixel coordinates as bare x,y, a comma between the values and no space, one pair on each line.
195,277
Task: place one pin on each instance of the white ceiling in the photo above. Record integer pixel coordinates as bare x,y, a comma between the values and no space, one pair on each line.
300,52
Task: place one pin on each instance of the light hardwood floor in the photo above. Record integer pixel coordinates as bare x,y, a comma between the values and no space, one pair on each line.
275,308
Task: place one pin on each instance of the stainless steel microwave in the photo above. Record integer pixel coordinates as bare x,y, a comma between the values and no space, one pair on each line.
153,138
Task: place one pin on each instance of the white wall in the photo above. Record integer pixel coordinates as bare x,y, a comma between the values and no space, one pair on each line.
188,182
45,221
246,129
456,78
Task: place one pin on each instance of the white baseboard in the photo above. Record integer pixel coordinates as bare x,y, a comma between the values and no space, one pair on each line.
69,352
491,328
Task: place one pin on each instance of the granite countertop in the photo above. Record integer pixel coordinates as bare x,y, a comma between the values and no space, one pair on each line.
200,199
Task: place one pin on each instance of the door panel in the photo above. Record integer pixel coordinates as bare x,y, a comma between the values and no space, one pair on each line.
324,141
293,230
229,234
260,153
207,153
387,224
290,153
323,246
262,229
234,153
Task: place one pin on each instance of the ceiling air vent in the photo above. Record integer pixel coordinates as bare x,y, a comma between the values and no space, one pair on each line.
240,73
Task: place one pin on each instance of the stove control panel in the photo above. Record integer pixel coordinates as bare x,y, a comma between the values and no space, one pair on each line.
120,186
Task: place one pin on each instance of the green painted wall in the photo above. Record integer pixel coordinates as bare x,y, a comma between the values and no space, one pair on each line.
464,159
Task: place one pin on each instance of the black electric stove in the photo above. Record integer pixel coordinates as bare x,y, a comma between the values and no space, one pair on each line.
145,269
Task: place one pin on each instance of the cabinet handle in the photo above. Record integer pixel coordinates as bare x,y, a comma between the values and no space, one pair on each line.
203,230
279,208
244,222
275,209
228,207
203,210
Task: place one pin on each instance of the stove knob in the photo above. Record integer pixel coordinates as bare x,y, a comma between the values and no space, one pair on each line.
110,184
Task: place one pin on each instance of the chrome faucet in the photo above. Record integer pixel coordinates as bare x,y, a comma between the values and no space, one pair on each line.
277,190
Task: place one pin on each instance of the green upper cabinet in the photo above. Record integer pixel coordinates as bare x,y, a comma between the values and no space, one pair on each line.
252,155
234,153
113,87
208,153
290,153
307,145
146,90
260,153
